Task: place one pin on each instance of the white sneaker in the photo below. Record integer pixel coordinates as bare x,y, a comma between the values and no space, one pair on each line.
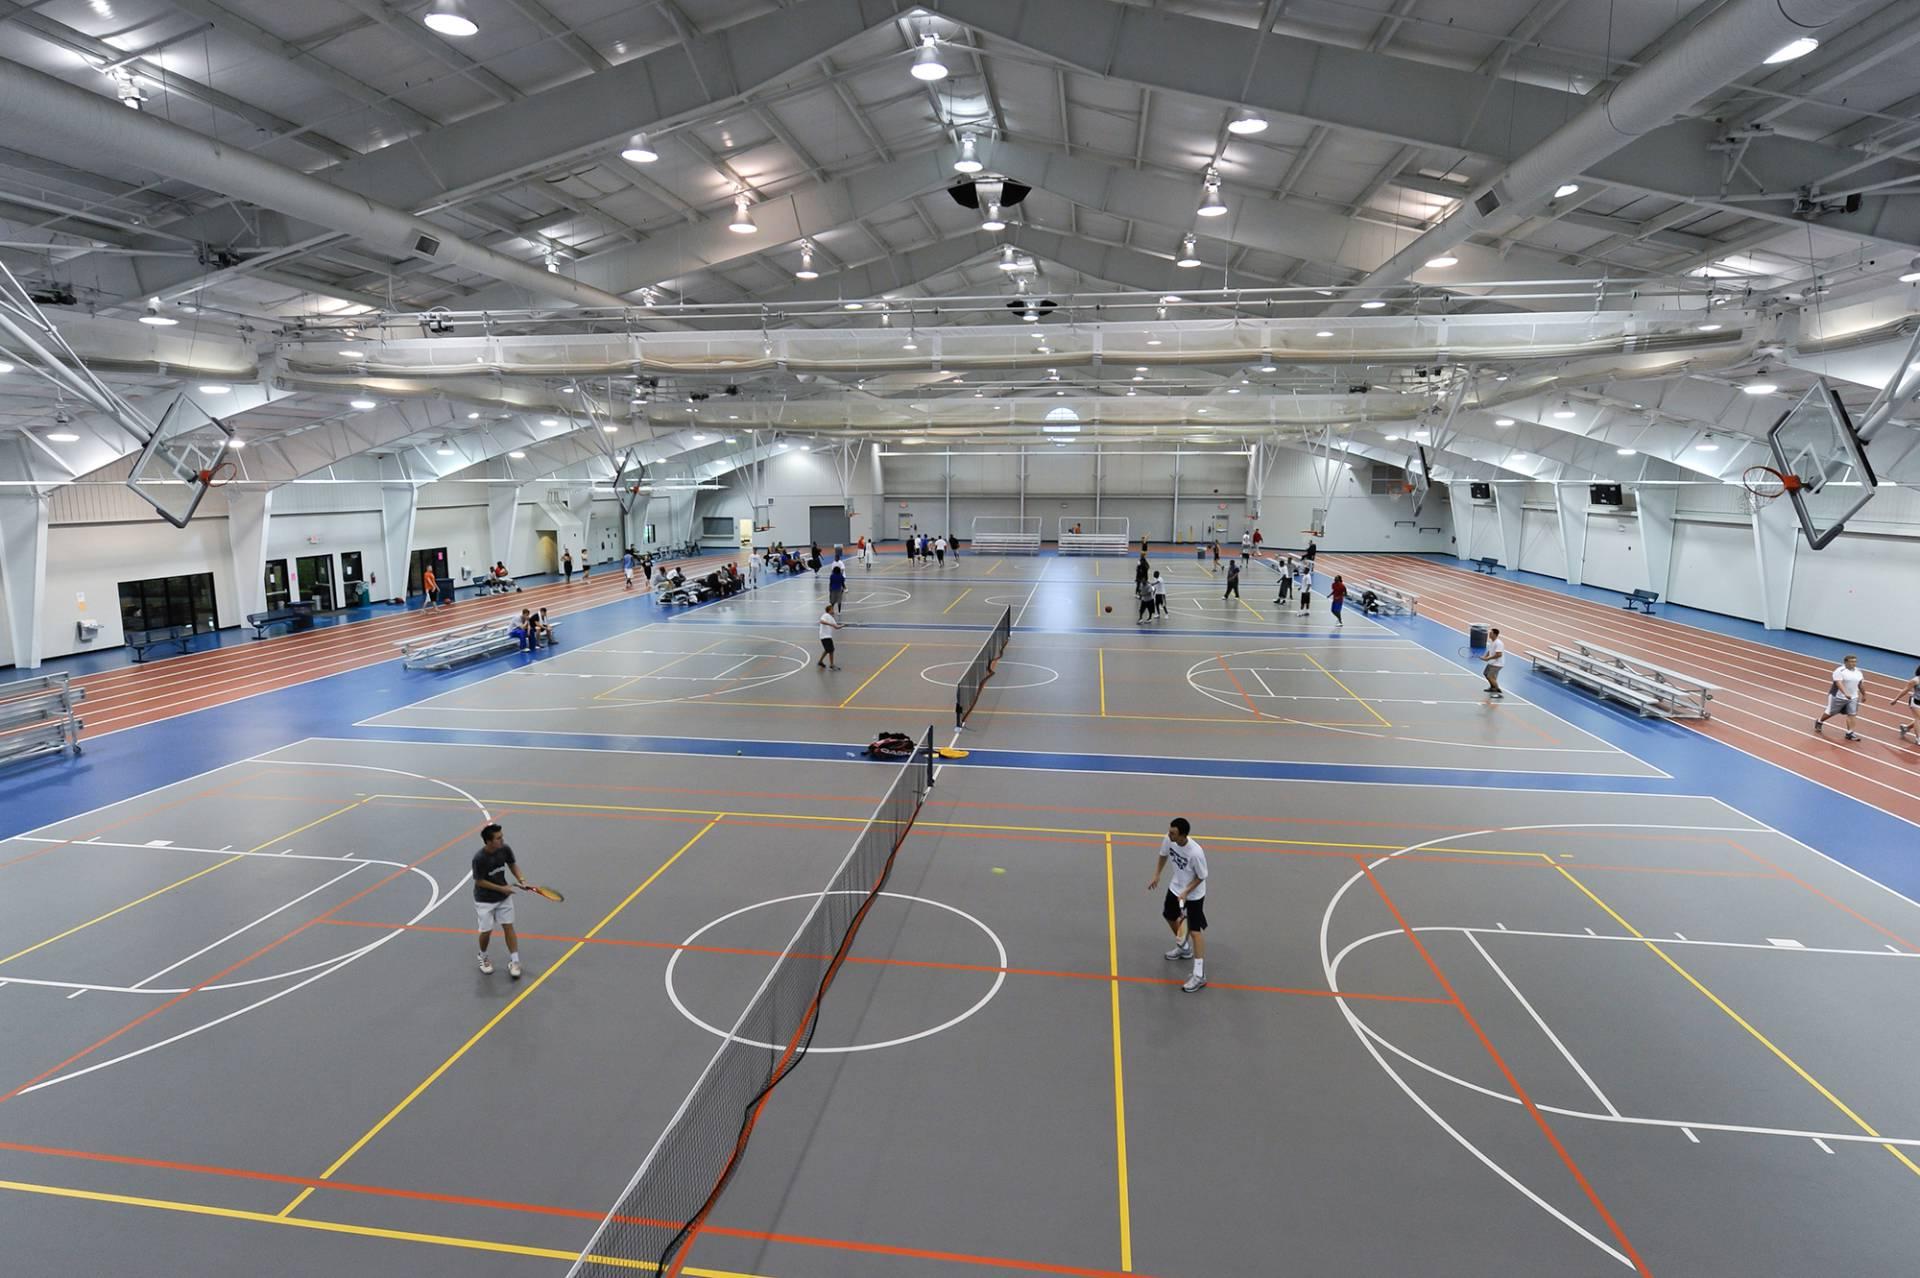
1194,982
486,965
513,968
1853,736
1820,726
1177,953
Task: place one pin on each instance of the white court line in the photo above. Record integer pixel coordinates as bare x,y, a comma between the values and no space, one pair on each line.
1544,1027
1689,1135
1027,602
1823,1144
1858,874
1269,691
178,963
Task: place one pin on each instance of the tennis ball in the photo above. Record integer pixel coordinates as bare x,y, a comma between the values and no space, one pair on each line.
999,869
739,751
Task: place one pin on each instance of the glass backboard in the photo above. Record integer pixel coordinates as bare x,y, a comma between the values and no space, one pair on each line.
172,472
1419,481
1816,444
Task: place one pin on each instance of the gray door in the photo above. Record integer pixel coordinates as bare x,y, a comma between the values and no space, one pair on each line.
828,526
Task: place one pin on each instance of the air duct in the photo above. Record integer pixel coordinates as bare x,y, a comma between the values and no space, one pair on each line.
1733,41
60,119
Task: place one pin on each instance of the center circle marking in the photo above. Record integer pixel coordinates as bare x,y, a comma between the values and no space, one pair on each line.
998,682
999,977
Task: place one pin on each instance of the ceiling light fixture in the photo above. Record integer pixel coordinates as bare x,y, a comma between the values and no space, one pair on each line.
1189,253
926,63
235,445
992,221
1792,49
5,368
1246,122
1565,410
969,159
609,428
1707,328
1169,299
1565,189
473,417
1503,421
732,439
350,352
1912,275
1211,205
215,388
1442,262
742,223
1325,332
363,404
852,306
445,449
1627,452
549,422
1373,305
517,455
1009,258
639,151
806,271
1708,445
449,18
1760,388
154,318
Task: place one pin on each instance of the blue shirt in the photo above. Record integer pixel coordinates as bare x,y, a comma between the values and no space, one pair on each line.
838,581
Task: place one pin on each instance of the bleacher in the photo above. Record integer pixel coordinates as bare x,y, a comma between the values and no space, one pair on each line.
1080,535
462,644
1653,691
36,717
1390,600
1004,535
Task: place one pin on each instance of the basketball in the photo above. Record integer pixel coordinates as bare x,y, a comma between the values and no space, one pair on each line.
1109,607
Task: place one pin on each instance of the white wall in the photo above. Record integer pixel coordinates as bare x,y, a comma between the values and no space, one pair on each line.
1614,560
1713,568
1484,542
792,483
93,559
1540,548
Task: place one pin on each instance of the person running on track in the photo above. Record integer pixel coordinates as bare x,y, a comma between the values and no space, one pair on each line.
493,899
1185,906
1337,597
1911,695
1491,662
1843,695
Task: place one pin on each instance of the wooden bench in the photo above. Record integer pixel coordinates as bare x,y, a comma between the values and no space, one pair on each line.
1486,564
459,645
1644,600
293,616
141,642
36,717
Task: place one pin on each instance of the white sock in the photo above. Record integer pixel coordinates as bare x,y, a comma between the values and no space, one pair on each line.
1199,967
514,956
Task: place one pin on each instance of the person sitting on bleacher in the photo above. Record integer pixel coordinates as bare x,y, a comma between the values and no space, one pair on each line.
523,630
542,632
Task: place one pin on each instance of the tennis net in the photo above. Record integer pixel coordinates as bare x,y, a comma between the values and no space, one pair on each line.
663,1206
980,669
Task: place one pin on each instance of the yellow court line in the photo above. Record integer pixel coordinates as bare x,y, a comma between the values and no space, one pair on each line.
996,568
1250,608
1739,1020
621,687
950,825
238,856
1096,602
1349,691
875,675
1119,1077
1103,681
962,595
499,1016
337,1227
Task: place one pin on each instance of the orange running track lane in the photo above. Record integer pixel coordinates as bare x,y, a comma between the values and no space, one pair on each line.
149,691
1768,696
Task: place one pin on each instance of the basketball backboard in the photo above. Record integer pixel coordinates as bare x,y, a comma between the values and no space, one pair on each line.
182,458
1419,480
1815,442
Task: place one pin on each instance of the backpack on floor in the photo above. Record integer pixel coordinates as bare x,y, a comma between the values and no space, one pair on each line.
892,745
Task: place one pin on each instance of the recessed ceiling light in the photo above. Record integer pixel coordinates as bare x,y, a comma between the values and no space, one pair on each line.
639,151
215,388
1626,452
1760,388
1442,262
1373,305
61,437
473,417
1565,189
1503,421
549,422
1325,332
609,428
926,63
517,455
236,445
364,404
449,18
1792,49
1245,123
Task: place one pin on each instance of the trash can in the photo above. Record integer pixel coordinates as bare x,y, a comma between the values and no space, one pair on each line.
357,594
1477,636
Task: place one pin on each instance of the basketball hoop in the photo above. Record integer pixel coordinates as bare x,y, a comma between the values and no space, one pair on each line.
219,475
1407,488
1764,483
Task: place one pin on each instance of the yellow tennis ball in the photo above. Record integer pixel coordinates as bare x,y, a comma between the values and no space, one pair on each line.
999,869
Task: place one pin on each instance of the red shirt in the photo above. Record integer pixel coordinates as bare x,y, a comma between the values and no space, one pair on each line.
1339,590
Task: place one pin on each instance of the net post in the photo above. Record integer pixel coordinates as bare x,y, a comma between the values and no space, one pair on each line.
927,744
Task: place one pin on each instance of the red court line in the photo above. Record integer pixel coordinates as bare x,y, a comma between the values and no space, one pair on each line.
930,964
541,1209
1236,686
1836,904
183,995
1513,1082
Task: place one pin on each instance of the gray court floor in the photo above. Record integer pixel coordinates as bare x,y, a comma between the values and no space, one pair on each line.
1449,1030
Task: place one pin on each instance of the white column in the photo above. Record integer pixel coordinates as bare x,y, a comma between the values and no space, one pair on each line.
1460,498
1776,543
1656,506
1510,504
398,503
23,570
1570,500
249,511
503,514
1255,456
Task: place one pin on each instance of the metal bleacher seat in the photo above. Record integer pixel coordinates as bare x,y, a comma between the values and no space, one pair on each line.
459,645
1654,691
36,717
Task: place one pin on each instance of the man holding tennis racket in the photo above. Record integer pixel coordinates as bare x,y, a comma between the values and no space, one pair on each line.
493,899
1185,907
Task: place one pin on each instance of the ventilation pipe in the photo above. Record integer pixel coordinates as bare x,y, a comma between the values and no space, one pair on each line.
1733,41
57,119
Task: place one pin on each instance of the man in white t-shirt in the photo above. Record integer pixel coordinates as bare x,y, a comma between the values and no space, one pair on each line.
1843,695
828,624
1492,661
1185,907
1246,546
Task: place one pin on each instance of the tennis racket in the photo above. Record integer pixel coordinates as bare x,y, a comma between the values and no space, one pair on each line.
552,894
1468,654
1180,932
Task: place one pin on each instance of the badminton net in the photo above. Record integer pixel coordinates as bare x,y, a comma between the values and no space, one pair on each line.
980,669
661,1210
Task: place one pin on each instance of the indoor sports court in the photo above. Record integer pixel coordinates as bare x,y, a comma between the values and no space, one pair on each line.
850,640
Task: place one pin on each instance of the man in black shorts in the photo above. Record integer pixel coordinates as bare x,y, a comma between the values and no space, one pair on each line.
1185,907
493,899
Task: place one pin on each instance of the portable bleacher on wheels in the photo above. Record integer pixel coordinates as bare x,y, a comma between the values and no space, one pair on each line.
1005,535
1653,691
1081,535
36,717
